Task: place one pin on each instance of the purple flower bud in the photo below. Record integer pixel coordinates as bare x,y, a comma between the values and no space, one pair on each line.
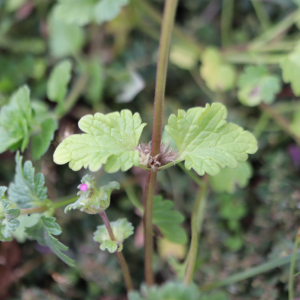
84,187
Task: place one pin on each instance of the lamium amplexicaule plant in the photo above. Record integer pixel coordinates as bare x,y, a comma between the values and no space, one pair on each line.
212,151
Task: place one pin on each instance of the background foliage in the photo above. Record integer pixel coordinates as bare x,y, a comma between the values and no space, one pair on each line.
76,63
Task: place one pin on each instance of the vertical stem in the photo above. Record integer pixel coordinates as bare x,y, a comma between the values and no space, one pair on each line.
261,14
196,224
226,21
292,266
162,64
120,256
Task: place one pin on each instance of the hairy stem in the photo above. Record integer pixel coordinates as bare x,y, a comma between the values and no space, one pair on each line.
292,266
29,211
162,64
196,224
120,255
148,202
280,120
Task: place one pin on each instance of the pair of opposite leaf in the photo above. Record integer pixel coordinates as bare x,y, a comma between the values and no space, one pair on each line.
205,141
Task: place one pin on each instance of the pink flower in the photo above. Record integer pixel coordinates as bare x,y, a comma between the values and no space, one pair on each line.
83,187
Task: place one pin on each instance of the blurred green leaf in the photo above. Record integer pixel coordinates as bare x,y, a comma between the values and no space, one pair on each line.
64,39
58,81
257,85
96,83
42,232
27,190
228,179
15,120
290,66
207,142
295,124
168,220
218,75
42,140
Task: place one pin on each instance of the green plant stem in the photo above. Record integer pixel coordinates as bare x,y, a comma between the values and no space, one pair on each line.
226,21
161,75
261,124
120,255
261,14
196,225
250,272
292,266
191,174
74,95
162,64
148,204
274,31
55,205
280,120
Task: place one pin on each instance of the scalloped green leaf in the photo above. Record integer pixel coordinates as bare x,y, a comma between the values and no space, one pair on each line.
257,85
8,217
58,81
290,66
207,142
218,75
228,179
43,231
109,139
94,199
27,190
121,228
168,220
15,120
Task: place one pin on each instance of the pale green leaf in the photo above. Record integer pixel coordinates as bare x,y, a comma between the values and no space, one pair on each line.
228,179
291,70
58,81
93,200
43,231
207,142
121,228
25,221
75,11
109,139
42,140
15,119
218,75
107,10
257,85
168,220
64,39
182,57
28,190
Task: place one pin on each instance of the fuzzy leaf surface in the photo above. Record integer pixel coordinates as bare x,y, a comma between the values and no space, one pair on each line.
121,228
43,232
41,141
15,120
168,220
108,139
58,81
8,217
228,179
27,190
257,85
207,142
